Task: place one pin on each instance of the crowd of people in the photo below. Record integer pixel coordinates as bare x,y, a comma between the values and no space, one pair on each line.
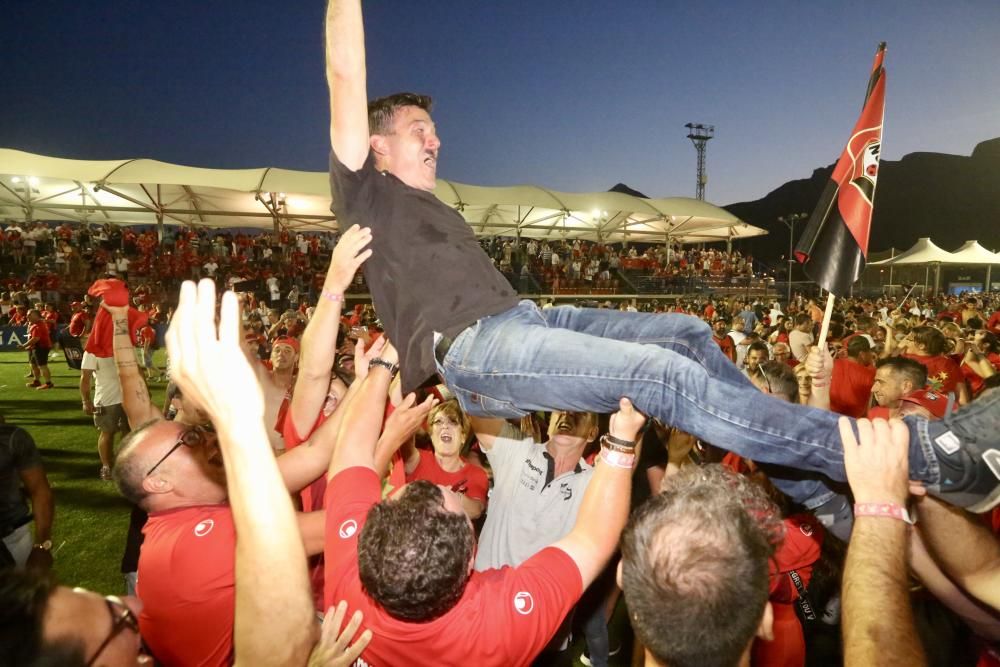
459,477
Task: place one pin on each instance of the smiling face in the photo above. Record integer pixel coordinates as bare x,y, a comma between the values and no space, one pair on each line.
448,429
889,387
410,151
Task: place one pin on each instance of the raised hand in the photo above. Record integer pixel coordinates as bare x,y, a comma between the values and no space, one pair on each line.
348,255
625,423
362,357
207,362
405,419
877,460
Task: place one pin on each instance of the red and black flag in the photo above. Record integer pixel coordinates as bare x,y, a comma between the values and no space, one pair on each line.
834,246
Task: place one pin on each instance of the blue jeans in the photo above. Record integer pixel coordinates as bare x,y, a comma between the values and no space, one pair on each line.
585,359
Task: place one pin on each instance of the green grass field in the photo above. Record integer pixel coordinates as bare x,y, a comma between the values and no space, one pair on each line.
91,518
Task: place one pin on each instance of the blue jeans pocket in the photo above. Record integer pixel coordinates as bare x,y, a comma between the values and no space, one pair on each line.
479,405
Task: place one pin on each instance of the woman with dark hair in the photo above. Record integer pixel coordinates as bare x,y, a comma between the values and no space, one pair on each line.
928,346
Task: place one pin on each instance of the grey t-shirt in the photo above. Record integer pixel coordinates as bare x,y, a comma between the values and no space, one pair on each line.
528,509
17,453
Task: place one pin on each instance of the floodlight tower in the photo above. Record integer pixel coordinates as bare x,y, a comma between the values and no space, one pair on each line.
699,135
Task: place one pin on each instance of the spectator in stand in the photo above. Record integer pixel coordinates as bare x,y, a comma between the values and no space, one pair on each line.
853,377
449,430
39,344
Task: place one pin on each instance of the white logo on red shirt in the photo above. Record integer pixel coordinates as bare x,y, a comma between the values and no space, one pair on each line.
806,529
204,528
523,603
348,528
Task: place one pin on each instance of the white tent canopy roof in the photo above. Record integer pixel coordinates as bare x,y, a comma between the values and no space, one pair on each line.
922,252
973,253
140,191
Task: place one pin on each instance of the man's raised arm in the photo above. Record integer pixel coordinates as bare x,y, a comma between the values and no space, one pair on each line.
274,616
346,76
604,509
138,407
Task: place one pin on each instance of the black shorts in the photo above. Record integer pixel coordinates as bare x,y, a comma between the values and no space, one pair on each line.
39,356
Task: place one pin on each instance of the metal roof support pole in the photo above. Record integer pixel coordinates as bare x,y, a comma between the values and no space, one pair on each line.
159,215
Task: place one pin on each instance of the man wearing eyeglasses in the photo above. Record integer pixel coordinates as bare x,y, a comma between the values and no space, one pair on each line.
51,624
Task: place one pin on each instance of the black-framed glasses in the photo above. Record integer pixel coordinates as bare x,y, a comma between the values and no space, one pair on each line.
121,617
192,437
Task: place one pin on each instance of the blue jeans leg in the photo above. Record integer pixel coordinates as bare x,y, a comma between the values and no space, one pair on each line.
516,361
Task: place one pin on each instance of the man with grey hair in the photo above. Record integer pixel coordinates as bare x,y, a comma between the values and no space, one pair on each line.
699,547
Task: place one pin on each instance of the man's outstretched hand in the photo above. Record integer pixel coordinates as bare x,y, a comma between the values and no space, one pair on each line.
207,361
348,256
625,423
877,460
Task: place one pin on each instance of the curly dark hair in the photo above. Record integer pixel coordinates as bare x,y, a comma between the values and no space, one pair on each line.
695,566
382,111
414,554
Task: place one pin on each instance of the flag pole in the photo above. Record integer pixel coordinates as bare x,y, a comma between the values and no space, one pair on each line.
825,327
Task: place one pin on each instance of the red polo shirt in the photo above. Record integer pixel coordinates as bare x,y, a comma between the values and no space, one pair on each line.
470,479
187,585
505,617
851,387
40,332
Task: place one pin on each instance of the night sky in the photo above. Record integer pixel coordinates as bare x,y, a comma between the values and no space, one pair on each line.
574,96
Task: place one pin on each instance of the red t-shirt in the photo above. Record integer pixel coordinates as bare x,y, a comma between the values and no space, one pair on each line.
505,616
727,346
187,585
40,332
147,335
78,323
943,374
470,479
994,323
851,387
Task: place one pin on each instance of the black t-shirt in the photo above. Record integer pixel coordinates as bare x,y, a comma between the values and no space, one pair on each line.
17,453
427,272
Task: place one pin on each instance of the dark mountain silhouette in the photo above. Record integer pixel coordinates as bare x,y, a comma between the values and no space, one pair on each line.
950,198
626,190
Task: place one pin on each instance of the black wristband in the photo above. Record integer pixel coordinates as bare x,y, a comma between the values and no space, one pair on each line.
389,366
617,443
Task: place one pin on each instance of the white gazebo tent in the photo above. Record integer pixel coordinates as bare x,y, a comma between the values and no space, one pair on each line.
140,191
922,252
972,253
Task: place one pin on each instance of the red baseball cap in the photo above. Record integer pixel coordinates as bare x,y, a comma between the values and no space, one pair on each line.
935,402
287,340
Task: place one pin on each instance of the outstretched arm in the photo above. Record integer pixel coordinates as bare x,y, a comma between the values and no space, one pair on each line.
274,612
319,340
346,76
135,396
878,629
604,509
965,549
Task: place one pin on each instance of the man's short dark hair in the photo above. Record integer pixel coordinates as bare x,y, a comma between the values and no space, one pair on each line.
759,346
780,379
24,597
695,566
414,554
857,345
910,369
382,111
802,318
